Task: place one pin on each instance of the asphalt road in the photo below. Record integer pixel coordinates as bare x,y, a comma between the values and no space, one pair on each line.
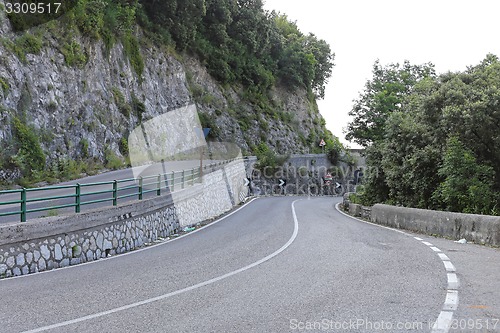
275,265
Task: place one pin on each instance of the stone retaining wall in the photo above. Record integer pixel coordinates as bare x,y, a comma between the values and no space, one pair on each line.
52,242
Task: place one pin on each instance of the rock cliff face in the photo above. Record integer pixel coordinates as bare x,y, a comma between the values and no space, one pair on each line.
83,111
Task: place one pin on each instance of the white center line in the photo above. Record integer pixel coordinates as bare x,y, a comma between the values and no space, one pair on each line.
180,291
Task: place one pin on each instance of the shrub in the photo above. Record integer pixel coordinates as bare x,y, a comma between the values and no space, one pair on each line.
113,161
121,103
30,156
4,85
268,161
73,54
29,43
133,53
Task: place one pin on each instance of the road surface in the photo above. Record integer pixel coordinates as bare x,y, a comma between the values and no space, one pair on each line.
280,264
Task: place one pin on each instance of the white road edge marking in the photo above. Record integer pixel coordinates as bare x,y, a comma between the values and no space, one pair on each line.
443,323
449,266
443,257
101,260
452,281
451,302
180,291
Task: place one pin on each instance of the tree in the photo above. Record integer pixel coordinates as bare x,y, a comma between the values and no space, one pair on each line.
467,185
383,94
438,146
323,63
180,17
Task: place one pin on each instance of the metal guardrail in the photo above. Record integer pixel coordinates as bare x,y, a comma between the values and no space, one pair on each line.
112,191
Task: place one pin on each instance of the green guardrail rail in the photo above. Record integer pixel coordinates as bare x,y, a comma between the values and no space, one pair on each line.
113,191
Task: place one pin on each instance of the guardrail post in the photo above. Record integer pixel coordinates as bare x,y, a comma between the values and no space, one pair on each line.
183,176
115,193
141,182
158,189
192,176
78,191
173,181
23,205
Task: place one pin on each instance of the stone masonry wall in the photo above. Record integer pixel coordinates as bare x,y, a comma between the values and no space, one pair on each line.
54,242
219,192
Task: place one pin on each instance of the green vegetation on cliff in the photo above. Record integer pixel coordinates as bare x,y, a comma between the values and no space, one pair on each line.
259,59
238,41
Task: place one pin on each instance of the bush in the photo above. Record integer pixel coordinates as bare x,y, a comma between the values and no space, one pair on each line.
29,43
113,161
268,161
23,45
4,85
30,156
121,103
73,54
467,185
90,16
133,53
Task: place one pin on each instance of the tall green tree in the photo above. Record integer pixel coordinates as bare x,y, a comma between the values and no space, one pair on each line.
437,147
467,185
180,17
383,95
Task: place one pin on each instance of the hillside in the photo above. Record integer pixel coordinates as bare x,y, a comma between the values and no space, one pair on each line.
73,88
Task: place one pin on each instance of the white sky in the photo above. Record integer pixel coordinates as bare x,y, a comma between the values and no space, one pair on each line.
450,34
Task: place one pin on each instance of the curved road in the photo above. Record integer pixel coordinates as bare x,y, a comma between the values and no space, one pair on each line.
281,264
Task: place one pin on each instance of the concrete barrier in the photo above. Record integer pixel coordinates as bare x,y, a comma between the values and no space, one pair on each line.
480,229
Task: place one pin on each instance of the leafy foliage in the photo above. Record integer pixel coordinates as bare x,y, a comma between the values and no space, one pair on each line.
383,95
267,160
435,142
4,85
73,54
30,156
242,43
467,185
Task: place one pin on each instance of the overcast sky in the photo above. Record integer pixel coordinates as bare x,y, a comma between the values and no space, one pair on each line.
450,34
